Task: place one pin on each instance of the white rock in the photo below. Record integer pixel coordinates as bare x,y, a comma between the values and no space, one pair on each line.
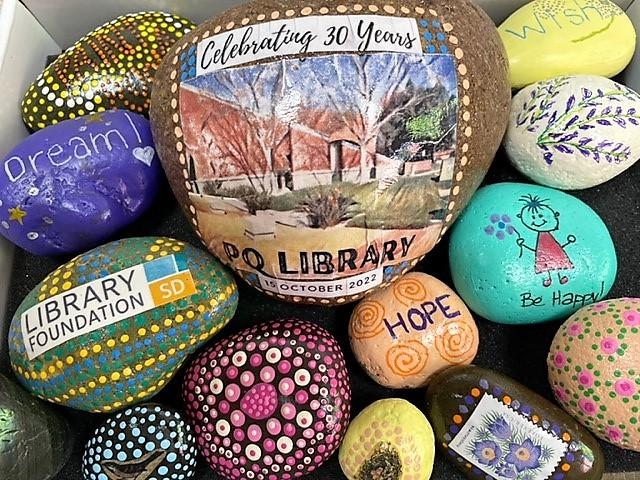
574,132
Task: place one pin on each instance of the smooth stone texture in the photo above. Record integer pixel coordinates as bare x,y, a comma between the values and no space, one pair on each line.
526,254
405,333
548,38
389,440
141,443
594,369
100,334
71,186
316,190
574,132
35,441
111,67
276,397
501,428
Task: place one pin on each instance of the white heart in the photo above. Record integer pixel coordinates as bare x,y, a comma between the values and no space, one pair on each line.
145,155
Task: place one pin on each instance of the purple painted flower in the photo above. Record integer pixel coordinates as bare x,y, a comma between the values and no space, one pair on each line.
500,429
506,470
487,452
500,226
524,456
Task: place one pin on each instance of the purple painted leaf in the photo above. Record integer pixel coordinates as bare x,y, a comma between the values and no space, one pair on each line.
552,118
620,122
606,111
604,143
533,92
584,152
544,147
570,102
591,114
596,156
573,120
631,111
586,93
584,141
548,158
569,137
607,158
586,127
600,92
531,129
563,148
603,122
618,110
633,121
617,147
556,134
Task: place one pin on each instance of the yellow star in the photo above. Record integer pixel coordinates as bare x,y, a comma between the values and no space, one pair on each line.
17,214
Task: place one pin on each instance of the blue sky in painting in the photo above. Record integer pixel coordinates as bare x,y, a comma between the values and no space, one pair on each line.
337,73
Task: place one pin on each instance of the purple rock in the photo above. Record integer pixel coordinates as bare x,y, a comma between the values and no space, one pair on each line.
71,186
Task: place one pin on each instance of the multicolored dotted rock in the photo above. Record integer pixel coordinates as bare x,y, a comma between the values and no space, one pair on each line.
407,332
71,186
389,440
111,67
269,403
145,442
594,369
491,426
111,327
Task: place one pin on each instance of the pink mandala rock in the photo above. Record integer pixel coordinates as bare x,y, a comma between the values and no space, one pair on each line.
269,403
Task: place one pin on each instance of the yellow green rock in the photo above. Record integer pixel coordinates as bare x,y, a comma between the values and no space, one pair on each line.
548,38
389,440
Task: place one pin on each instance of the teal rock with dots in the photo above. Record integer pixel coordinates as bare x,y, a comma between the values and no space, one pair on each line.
145,442
523,254
111,327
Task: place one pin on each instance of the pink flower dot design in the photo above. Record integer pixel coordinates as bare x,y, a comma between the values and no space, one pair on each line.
269,403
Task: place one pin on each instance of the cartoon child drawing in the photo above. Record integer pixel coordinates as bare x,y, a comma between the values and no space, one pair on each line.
550,256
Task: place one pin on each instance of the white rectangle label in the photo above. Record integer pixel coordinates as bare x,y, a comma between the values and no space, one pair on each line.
331,33
506,445
103,302
323,288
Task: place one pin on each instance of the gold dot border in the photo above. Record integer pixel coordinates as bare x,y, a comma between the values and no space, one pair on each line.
463,120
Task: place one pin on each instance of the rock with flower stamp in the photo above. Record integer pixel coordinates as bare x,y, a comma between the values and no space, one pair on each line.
390,439
111,67
501,429
547,38
407,332
71,186
574,132
523,253
593,369
143,442
273,399
111,327
346,137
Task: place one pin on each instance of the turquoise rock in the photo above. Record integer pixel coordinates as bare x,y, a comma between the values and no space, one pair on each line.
526,254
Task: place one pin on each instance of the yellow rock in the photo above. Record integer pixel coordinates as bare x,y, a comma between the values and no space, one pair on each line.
390,439
548,38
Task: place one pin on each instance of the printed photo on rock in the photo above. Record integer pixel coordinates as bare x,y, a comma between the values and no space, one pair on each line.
358,148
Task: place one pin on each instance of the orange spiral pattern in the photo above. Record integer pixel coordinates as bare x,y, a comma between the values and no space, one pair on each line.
408,291
456,342
407,358
366,320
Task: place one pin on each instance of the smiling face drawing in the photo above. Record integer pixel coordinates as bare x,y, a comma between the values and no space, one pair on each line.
539,217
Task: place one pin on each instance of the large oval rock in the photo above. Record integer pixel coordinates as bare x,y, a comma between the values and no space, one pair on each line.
35,442
391,440
547,38
593,369
526,254
141,443
322,149
71,186
112,326
490,426
404,334
574,132
272,401
111,67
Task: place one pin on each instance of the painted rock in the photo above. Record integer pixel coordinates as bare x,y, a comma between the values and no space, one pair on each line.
315,190
574,132
593,369
391,440
547,38
71,186
272,401
144,442
111,67
112,326
490,426
405,333
35,442
526,254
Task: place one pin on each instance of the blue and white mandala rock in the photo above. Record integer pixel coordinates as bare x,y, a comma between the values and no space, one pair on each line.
146,442
574,132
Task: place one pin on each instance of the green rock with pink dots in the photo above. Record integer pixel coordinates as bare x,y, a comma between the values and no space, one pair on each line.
524,254
594,369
